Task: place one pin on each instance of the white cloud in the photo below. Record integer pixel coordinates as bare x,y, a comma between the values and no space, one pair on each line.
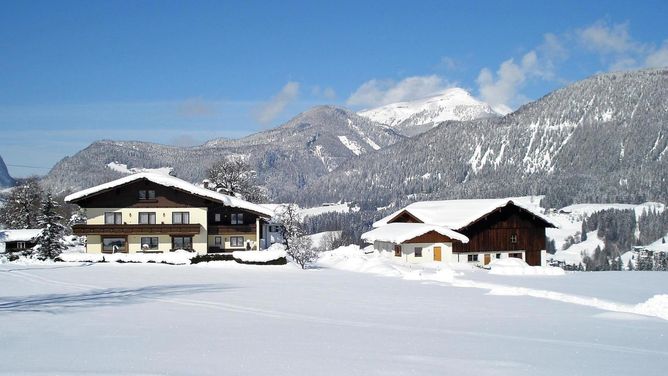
603,38
327,92
380,92
270,110
502,91
658,58
619,50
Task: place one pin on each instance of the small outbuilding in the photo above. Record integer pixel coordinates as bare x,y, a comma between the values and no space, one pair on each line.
471,231
18,240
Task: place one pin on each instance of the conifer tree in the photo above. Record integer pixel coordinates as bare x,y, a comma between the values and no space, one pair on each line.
49,241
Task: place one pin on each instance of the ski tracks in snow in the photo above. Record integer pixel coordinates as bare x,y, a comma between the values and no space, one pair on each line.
494,290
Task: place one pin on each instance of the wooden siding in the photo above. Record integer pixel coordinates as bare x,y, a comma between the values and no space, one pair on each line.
493,233
225,230
404,217
226,215
430,237
127,196
187,230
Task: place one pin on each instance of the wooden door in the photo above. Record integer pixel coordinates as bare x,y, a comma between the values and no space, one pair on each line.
437,253
487,258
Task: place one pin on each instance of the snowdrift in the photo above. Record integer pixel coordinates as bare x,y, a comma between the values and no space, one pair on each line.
515,266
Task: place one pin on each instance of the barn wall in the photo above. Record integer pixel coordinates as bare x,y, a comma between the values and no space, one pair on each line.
494,232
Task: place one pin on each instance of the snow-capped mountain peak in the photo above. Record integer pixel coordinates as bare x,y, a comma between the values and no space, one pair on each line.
416,116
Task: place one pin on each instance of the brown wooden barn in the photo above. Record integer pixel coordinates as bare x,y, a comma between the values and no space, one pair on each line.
491,229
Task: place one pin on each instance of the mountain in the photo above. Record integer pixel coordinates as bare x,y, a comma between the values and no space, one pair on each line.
601,139
417,116
286,158
5,179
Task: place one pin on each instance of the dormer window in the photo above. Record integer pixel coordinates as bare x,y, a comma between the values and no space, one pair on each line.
146,194
237,218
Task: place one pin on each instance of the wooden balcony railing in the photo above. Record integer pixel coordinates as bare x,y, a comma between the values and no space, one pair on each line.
231,229
190,229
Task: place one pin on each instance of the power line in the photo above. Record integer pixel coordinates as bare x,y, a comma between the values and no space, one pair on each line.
26,166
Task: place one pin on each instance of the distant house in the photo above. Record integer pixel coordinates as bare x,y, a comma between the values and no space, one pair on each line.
470,231
18,240
149,212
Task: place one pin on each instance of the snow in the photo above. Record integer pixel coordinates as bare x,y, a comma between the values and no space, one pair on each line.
318,239
123,168
343,207
19,235
173,182
274,252
227,318
515,266
400,232
583,210
658,245
351,145
456,214
573,254
450,104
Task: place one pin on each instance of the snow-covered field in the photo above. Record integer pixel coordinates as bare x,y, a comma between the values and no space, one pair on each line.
227,318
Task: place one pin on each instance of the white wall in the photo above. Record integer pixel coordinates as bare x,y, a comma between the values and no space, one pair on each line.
408,251
163,216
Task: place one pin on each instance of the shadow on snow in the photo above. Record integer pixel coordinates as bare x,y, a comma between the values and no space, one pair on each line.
56,303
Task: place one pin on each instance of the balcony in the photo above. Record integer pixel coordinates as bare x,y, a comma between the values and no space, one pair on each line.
231,229
189,230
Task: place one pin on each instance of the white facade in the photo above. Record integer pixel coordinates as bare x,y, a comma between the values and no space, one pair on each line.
408,253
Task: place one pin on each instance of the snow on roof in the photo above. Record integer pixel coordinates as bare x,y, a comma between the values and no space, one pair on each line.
456,214
400,232
24,235
173,182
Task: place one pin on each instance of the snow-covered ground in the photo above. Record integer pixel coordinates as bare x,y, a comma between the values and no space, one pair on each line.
123,168
570,218
393,319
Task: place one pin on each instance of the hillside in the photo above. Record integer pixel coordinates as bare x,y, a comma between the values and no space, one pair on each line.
286,158
5,179
601,139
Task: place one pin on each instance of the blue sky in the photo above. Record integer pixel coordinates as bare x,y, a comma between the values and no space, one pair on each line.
72,72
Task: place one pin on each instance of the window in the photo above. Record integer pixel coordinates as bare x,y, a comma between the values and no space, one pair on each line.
218,241
513,238
182,242
418,251
146,194
273,228
147,218
216,217
149,243
236,241
515,255
113,245
111,218
498,255
20,245
473,258
397,251
180,218
237,218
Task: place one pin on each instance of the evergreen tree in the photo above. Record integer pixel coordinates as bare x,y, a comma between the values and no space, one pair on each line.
22,207
629,266
49,241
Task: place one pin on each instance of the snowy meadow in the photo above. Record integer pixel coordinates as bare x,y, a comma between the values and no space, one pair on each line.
353,314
